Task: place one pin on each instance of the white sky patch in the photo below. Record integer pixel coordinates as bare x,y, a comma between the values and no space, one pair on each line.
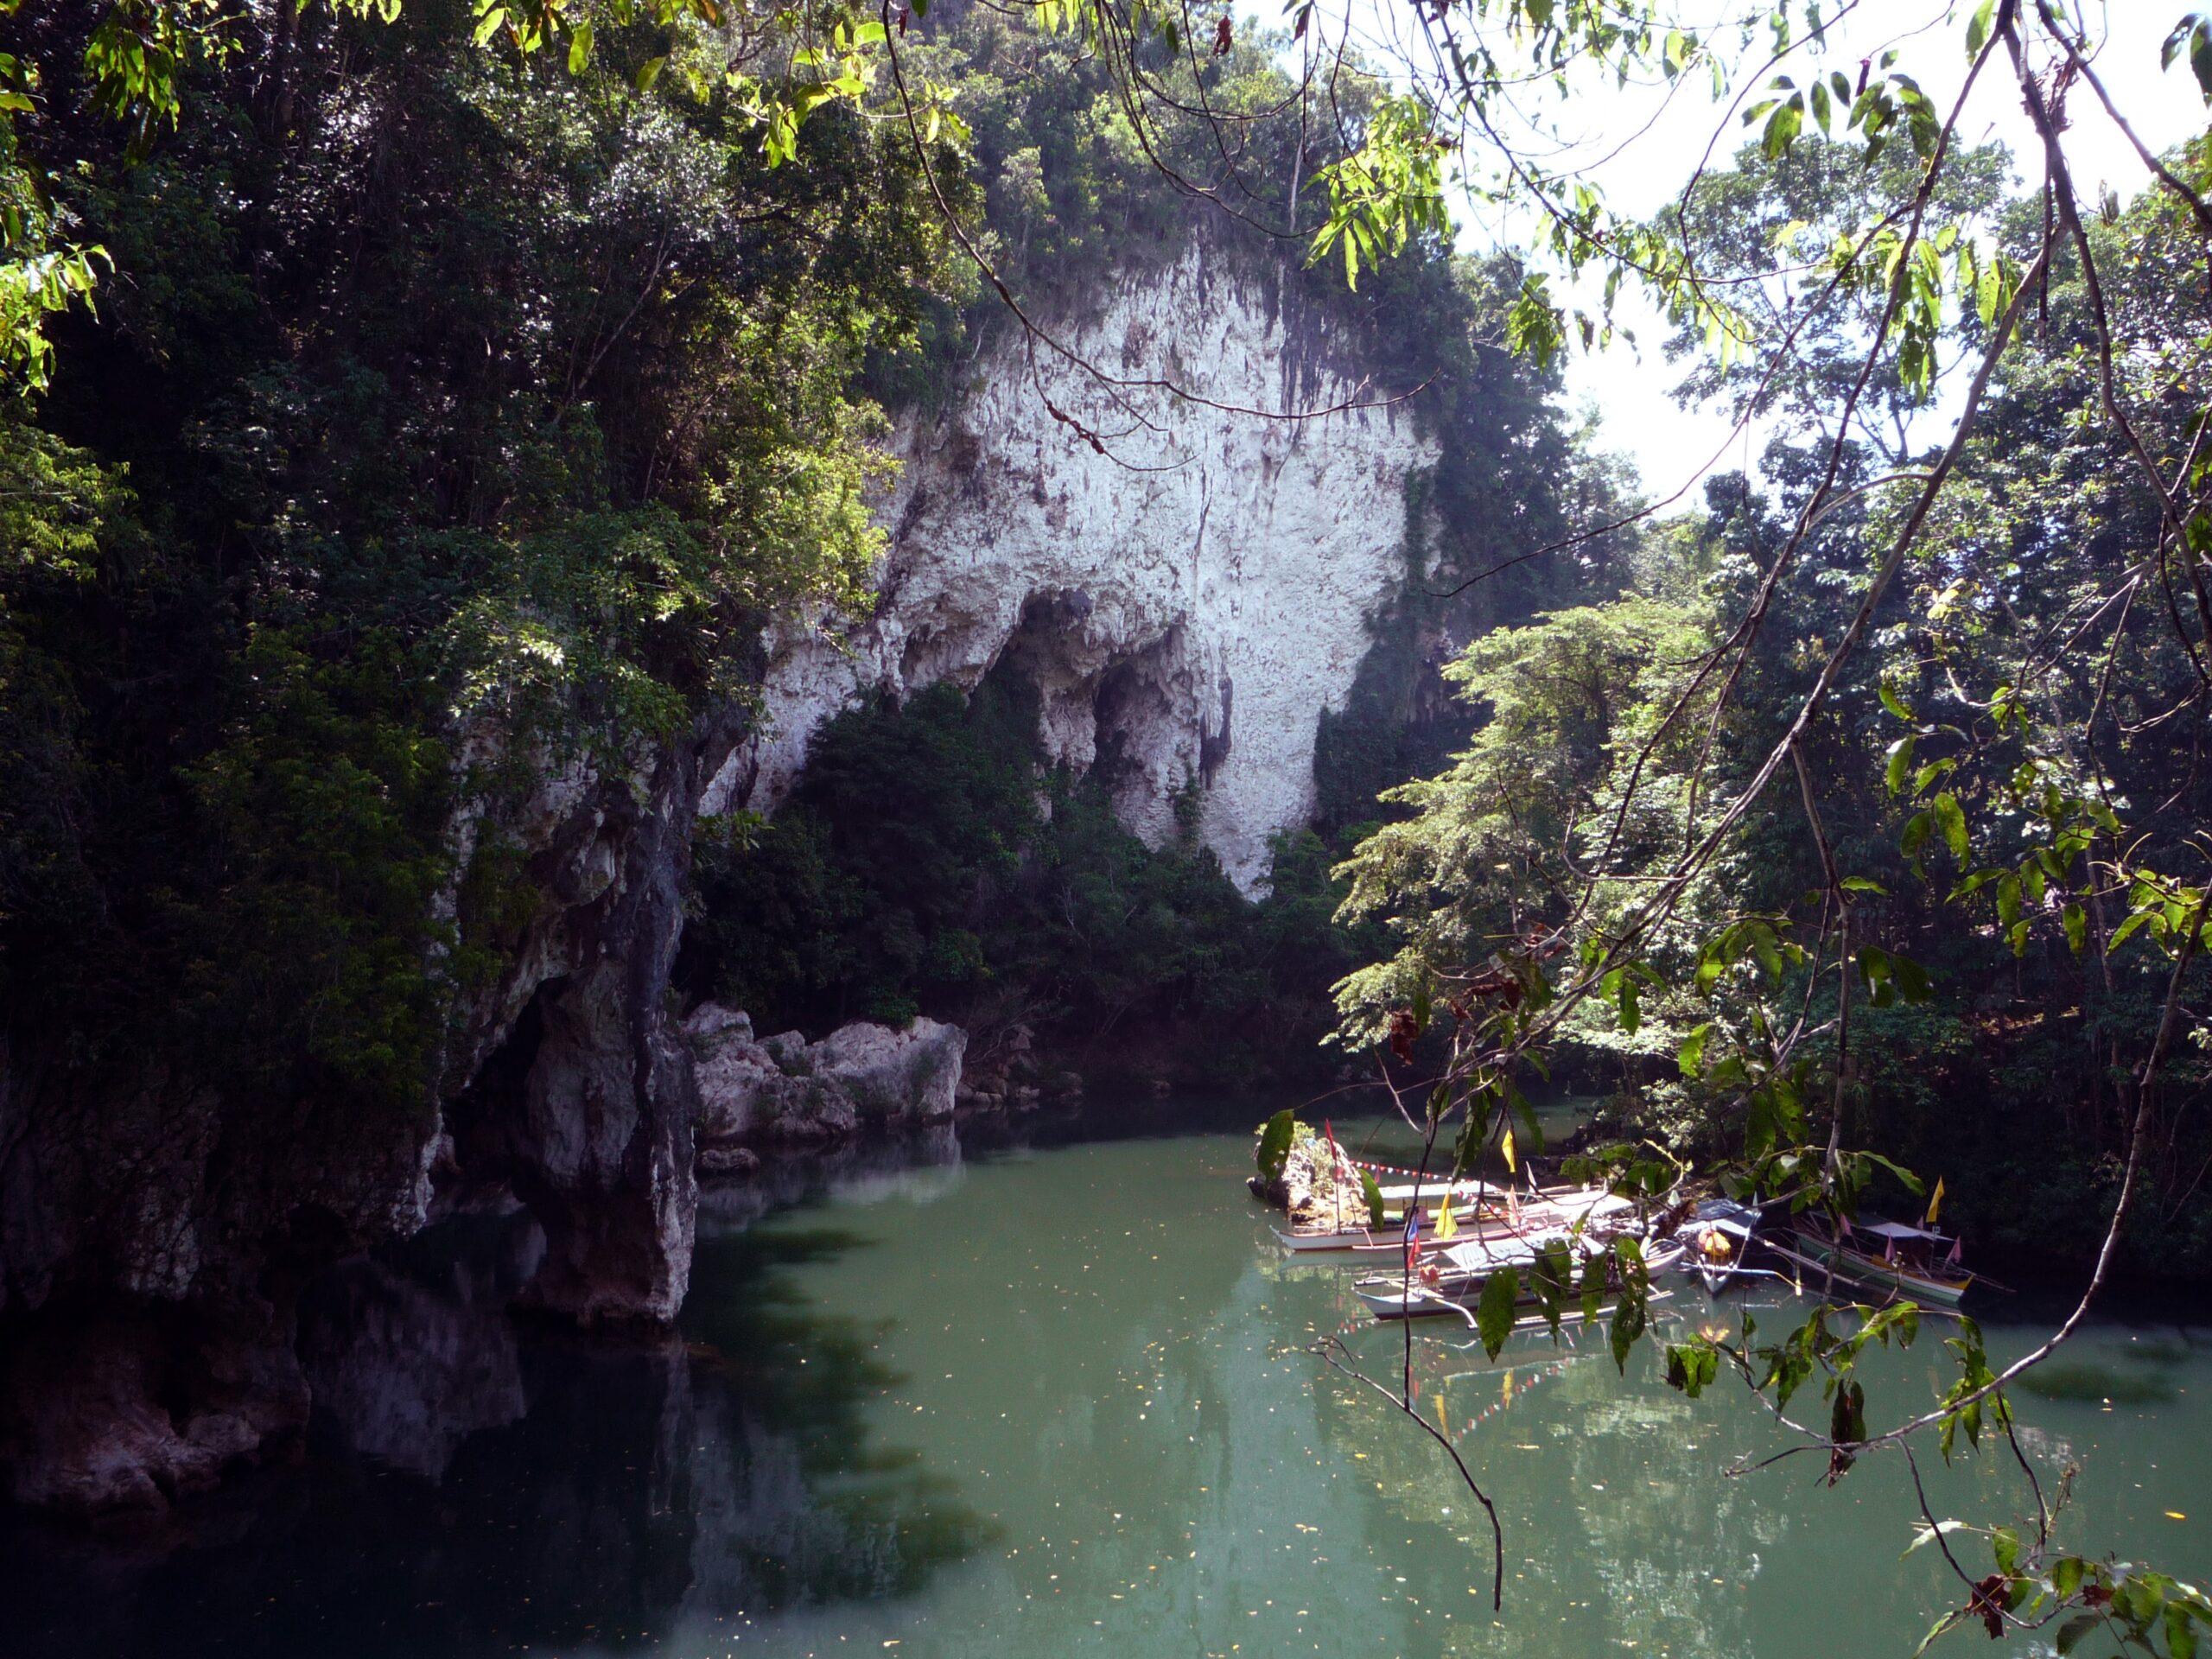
1641,143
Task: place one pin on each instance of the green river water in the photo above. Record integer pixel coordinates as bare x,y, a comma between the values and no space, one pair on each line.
1057,1402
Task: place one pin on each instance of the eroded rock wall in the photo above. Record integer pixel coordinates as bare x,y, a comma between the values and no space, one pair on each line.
1188,595
153,1232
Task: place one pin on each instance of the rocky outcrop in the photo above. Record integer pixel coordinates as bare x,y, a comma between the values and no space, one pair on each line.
1187,602
153,1232
578,1092
783,1091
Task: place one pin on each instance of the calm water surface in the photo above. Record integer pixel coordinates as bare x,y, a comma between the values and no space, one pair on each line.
1057,1402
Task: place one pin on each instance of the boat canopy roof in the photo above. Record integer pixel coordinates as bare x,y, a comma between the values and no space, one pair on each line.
1899,1229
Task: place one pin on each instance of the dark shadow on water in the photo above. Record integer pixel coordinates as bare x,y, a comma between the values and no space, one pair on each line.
2084,1379
475,1483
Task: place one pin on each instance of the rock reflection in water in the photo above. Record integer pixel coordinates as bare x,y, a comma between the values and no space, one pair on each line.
476,1484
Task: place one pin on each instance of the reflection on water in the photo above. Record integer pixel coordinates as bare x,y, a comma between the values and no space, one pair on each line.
1053,1402
474,1483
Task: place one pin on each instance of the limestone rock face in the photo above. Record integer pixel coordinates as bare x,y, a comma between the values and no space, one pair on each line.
911,1075
1188,603
785,1091
580,1094
141,1214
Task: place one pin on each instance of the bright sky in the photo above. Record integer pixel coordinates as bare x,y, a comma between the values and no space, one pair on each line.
1672,446
1629,387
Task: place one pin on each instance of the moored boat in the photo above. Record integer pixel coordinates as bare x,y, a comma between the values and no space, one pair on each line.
1478,1212
1455,1284
1718,1234
1893,1256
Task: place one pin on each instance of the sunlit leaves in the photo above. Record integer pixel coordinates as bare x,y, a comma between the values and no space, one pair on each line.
2193,35
1891,977
1494,1312
1386,191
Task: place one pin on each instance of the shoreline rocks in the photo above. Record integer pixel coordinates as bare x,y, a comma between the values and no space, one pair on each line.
781,1090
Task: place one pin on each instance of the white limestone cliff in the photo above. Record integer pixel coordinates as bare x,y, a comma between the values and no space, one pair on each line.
1187,602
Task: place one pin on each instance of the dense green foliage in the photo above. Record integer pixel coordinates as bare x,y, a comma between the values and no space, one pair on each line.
378,482
1992,1031
379,485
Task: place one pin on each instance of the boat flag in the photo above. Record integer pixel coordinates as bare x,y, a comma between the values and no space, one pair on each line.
1412,1234
1446,1227
1934,1203
1506,1147
1337,1170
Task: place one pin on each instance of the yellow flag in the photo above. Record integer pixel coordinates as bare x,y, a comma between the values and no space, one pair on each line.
1506,1147
1445,1226
1934,1202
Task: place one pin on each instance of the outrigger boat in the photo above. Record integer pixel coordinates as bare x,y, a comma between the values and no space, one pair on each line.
1466,1269
1718,1234
1484,1209
1892,1255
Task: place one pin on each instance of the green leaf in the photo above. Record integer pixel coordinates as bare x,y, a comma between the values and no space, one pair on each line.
1846,1425
2071,1633
1781,127
649,72
580,47
1928,1535
2077,928
2005,1544
1373,1194
1951,819
1893,703
1691,1058
1911,978
1552,1276
1633,1312
1594,1272
1863,884
2181,1630
1978,28
1692,1366
1916,831
2119,934
1900,763
1494,1312
2066,1576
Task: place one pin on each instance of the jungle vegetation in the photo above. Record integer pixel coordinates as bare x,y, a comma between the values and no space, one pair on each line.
322,454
